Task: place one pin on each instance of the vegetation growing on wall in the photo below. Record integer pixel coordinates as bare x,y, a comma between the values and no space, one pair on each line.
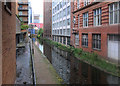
90,58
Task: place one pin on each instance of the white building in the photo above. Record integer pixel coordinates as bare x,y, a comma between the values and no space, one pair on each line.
36,18
61,21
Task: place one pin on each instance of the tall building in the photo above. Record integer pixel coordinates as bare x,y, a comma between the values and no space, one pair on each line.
7,43
61,21
96,28
30,17
36,18
23,11
47,20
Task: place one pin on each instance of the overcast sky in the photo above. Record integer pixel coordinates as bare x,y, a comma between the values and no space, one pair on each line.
37,6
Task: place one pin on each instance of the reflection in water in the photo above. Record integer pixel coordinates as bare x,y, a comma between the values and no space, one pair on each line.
73,71
62,65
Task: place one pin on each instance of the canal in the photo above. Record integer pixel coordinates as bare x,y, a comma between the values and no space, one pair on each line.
72,70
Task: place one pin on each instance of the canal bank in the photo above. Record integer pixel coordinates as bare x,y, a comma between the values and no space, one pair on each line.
71,69
23,67
44,71
89,58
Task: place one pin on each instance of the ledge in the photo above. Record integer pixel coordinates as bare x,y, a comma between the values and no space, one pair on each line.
85,7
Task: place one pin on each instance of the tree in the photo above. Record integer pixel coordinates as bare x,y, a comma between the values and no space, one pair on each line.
24,27
40,33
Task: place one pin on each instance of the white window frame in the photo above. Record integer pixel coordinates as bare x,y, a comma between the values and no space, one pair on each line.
97,16
78,21
78,4
85,40
96,38
85,19
86,2
113,11
77,39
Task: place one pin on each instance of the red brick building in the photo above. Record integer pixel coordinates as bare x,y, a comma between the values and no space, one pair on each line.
23,11
47,27
96,27
7,42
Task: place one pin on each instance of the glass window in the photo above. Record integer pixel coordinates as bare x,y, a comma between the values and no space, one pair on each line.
114,13
85,40
97,17
78,4
78,21
86,2
68,41
96,41
85,19
77,39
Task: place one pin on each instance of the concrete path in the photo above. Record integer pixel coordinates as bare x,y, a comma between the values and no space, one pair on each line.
45,73
24,72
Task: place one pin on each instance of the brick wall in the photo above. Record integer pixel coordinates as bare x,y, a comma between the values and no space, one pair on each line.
0,43
8,45
104,29
47,19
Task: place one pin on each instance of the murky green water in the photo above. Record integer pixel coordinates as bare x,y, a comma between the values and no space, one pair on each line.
73,71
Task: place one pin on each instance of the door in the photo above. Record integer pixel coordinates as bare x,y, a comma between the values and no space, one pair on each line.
113,44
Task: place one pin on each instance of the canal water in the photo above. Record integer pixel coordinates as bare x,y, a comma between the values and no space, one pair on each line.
72,70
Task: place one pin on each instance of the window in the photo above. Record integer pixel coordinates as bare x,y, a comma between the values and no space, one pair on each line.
68,21
64,12
85,40
61,31
57,39
78,21
114,13
78,4
53,38
97,17
96,41
60,4
20,13
60,39
85,19
21,19
77,39
8,6
68,31
114,37
64,40
68,10
86,2
68,41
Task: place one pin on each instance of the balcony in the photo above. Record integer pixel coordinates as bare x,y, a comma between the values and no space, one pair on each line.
23,3
25,21
22,9
23,15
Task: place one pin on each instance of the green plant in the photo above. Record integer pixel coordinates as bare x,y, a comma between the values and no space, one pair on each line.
40,33
24,27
